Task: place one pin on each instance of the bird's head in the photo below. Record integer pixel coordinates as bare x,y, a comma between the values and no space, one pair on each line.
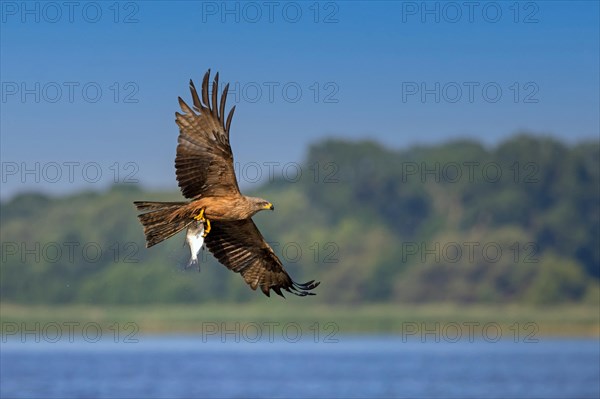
260,204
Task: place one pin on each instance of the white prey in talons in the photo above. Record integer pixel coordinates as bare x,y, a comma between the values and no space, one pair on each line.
195,239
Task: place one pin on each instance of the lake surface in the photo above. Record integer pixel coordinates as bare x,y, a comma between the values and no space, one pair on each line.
353,367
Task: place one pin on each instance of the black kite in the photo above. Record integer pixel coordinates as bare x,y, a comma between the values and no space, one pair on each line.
204,168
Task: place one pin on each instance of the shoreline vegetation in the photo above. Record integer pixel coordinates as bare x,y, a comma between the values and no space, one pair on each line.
402,241
444,320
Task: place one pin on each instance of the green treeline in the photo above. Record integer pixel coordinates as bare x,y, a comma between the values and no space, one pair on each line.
457,222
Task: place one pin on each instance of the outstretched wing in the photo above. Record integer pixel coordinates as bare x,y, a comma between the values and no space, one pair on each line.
204,161
241,248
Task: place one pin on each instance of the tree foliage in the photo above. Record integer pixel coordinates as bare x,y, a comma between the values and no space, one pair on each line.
415,225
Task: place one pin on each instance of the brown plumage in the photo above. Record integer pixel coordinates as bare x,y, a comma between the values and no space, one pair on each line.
204,169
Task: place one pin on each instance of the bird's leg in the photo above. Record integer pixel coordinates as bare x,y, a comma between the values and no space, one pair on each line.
200,217
206,227
204,220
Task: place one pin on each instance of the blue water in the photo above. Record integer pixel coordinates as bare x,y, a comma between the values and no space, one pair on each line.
354,367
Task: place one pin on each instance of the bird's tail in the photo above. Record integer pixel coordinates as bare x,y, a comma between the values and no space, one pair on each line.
158,220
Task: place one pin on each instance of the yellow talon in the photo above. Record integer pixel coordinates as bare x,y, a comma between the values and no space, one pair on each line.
200,217
206,227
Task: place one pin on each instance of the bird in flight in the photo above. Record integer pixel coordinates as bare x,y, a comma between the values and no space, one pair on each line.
217,212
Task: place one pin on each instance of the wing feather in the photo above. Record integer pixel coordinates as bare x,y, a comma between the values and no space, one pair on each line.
229,117
205,88
241,248
222,107
197,104
215,88
204,161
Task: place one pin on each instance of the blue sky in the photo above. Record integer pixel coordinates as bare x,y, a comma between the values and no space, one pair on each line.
303,71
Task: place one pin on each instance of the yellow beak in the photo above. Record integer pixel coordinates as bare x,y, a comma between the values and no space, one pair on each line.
269,206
